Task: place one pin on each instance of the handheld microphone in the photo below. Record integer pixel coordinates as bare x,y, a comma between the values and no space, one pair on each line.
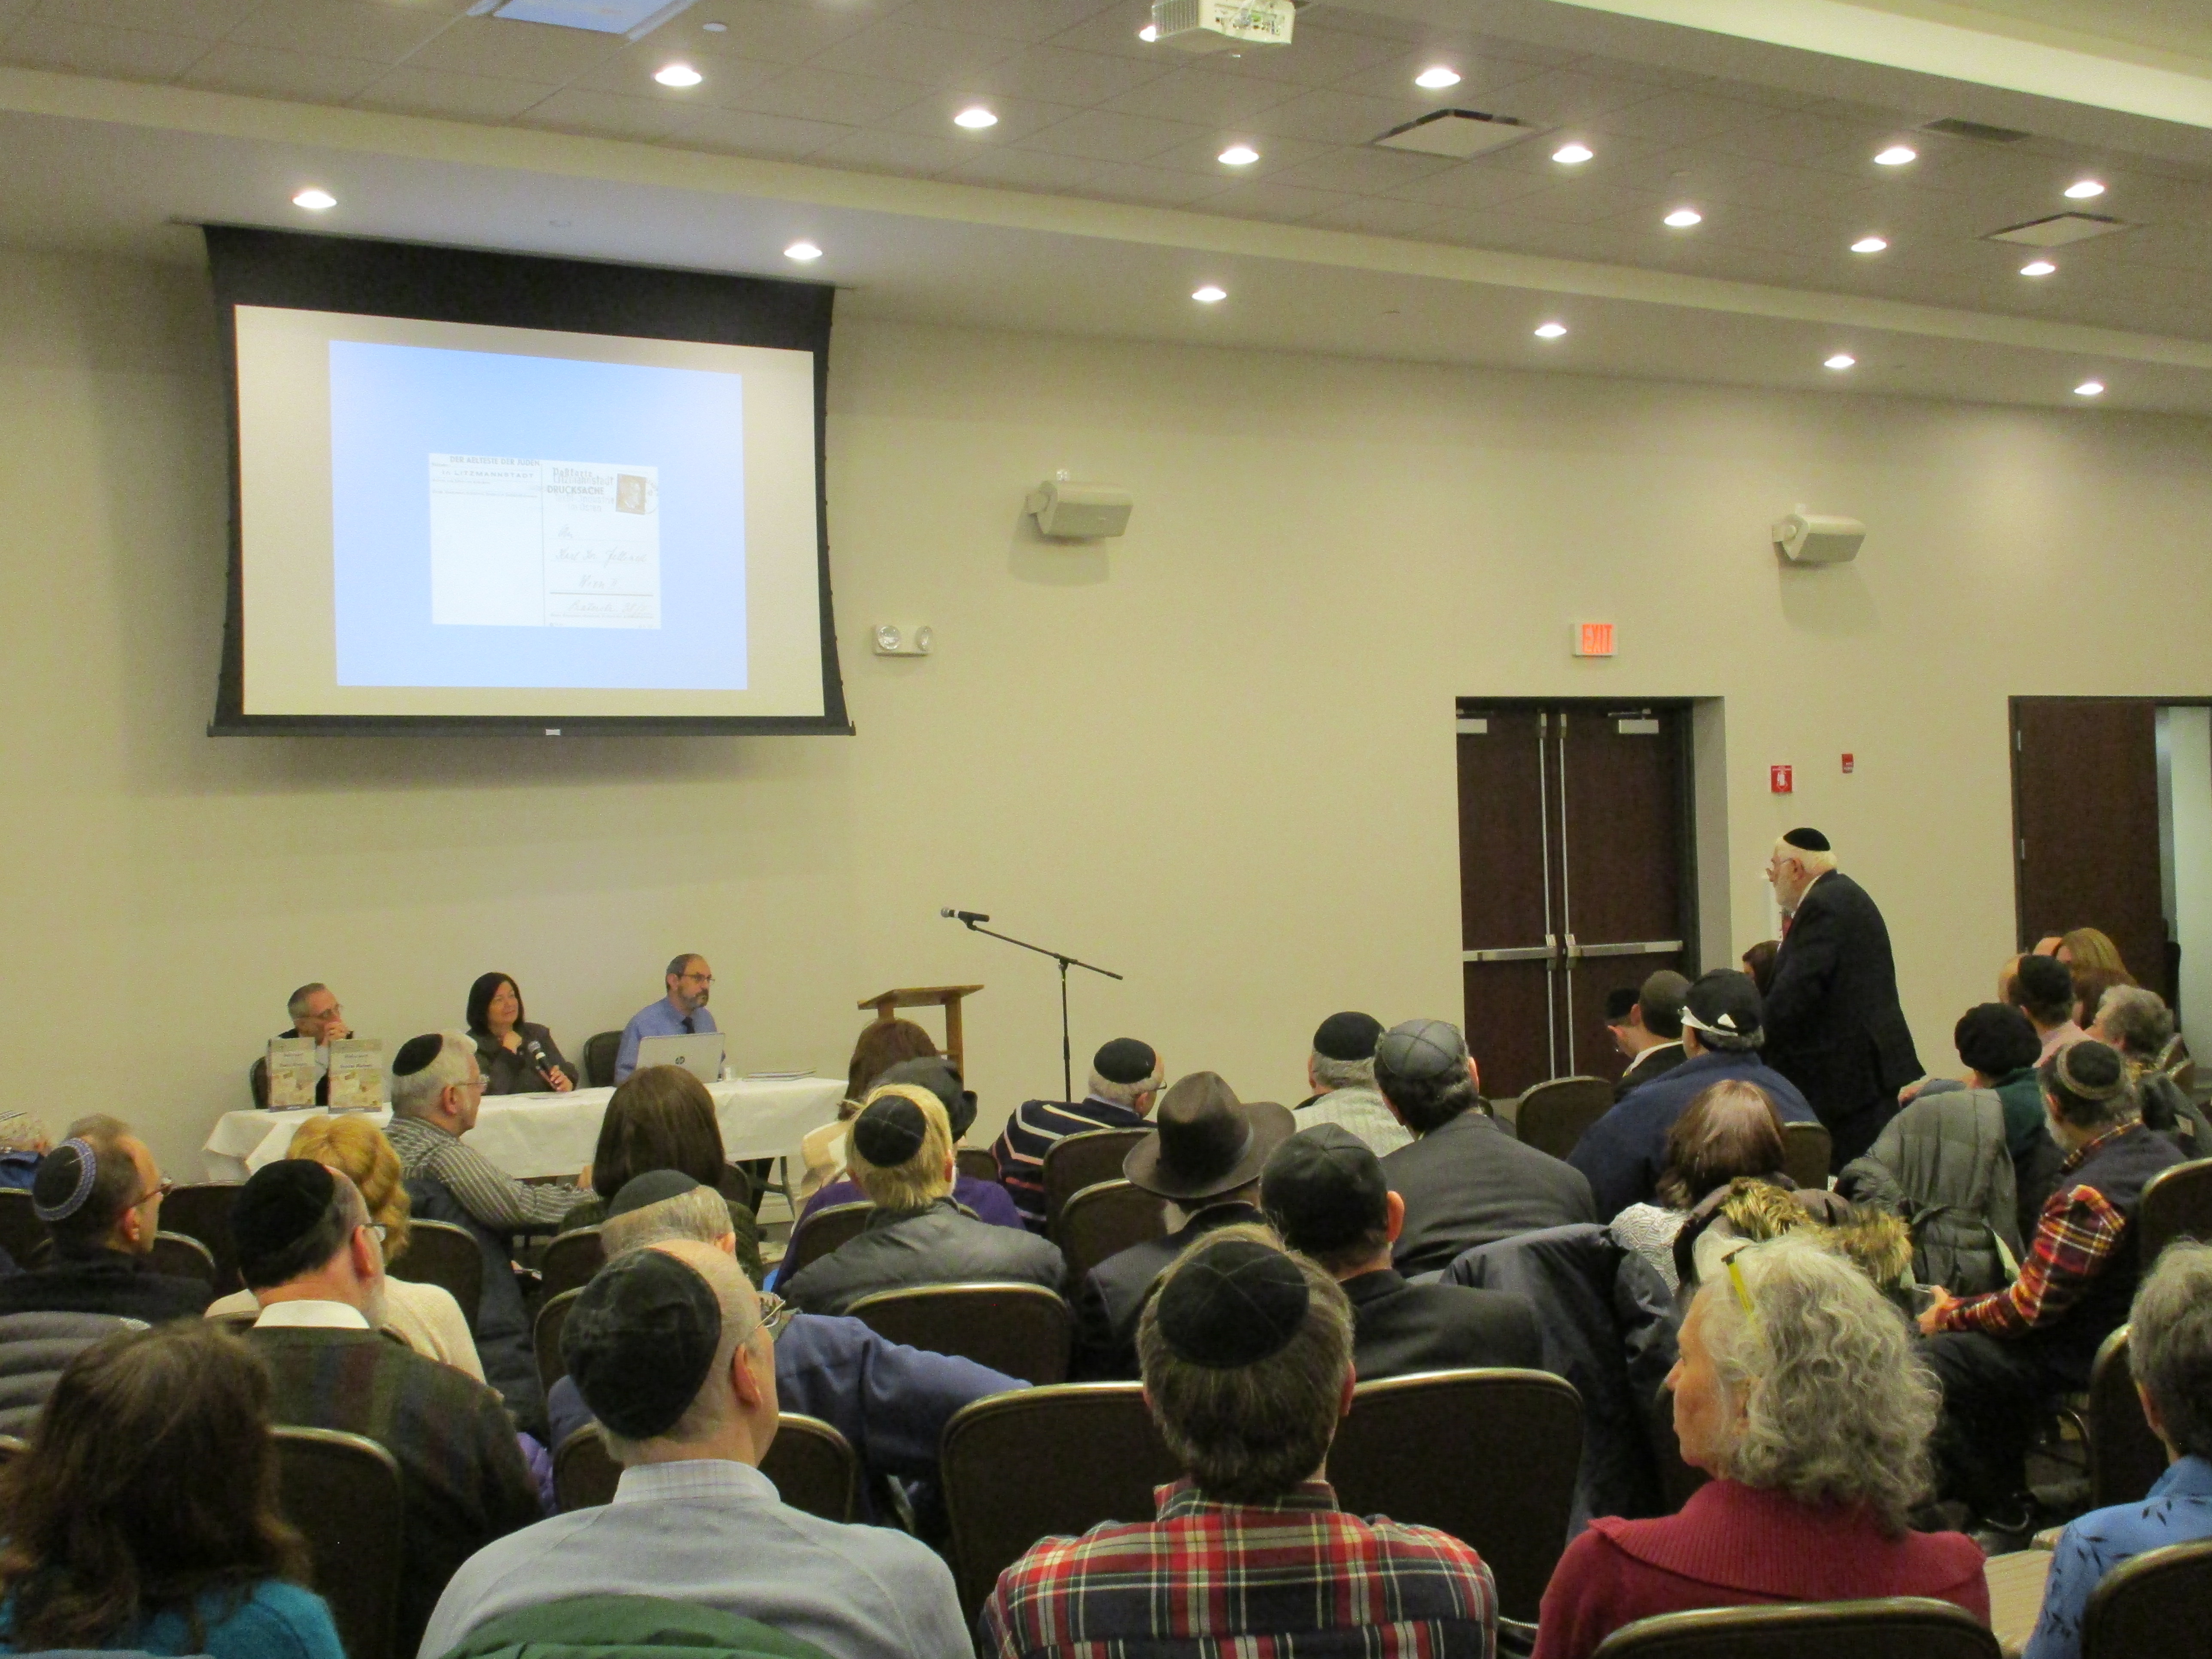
535,1051
968,916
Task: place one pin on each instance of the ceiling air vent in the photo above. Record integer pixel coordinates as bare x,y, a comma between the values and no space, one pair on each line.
1458,133
2058,229
633,18
1952,127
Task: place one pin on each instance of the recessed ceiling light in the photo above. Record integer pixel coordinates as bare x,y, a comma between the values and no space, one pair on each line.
315,200
2090,389
1683,218
805,252
678,74
1436,78
1869,245
1896,157
2038,268
1238,155
1209,294
1148,34
715,28
2082,189
974,118
1841,360
1550,331
1571,155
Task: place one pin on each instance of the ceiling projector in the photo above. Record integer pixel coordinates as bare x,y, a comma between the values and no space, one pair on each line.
1222,25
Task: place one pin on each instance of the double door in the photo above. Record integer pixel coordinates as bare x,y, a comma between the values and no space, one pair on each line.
1575,838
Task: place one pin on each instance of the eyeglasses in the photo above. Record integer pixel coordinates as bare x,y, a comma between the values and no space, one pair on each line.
161,1190
703,979
774,1314
382,1231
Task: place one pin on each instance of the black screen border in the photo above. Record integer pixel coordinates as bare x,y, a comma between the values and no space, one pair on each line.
305,271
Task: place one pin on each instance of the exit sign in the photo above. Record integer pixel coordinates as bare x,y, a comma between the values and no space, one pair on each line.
1593,639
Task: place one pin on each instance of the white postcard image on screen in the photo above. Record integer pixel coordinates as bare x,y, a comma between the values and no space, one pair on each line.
518,543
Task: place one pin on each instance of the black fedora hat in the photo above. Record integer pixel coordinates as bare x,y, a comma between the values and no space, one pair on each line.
1209,1142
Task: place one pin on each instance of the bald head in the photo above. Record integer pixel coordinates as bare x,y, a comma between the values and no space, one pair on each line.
733,1417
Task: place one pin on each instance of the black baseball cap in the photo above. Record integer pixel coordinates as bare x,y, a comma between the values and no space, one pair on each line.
1724,1005
1323,1189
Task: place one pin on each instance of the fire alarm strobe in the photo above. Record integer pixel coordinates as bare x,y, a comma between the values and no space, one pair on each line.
1778,781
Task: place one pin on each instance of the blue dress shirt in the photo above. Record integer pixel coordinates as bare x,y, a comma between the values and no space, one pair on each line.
661,1019
2178,1512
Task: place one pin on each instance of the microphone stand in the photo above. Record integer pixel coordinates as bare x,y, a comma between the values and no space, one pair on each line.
1065,961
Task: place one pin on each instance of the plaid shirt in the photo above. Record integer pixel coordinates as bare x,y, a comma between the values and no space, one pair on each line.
1296,1579
2075,1239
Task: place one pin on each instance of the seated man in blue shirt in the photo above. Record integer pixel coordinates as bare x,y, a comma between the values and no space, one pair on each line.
2169,1351
680,1013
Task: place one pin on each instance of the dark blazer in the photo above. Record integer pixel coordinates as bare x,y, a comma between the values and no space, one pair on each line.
1625,1152
941,1244
1833,1024
1652,1062
1469,1182
1399,1328
1115,1291
104,1282
508,1071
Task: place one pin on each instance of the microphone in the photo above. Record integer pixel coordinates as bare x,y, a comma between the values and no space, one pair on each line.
535,1051
971,917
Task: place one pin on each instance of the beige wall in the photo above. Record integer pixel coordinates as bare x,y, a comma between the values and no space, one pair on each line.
1215,754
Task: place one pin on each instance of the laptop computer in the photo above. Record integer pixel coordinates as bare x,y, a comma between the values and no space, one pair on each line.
700,1053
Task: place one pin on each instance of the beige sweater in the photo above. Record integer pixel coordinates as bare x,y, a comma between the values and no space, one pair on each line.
423,1316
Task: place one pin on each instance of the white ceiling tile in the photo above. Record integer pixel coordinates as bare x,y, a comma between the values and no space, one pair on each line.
606,115
744,133
1335,117
384,33
1202,155
259,72
760,29
1376,216
629,74
1480,79
1365,171
808,94
516,51
1472,184
1260,199
1801,140
1201,95
1103,136
1555,96
458,97
1678,117
1316,57
1010,20
1153,186
88,49
1115,30
1586,201
894,152
1025,169
1058,76
203,20
900,52
931,116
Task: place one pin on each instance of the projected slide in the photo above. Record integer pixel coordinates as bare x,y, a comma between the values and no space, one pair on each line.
544,543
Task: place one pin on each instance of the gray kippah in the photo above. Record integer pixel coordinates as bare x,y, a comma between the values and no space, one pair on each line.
1421,1048
1231,1304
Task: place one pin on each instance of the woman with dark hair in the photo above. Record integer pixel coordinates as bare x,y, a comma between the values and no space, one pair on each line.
883,1044
144,1514
505,1040
1758,962
1730,1129
663,1118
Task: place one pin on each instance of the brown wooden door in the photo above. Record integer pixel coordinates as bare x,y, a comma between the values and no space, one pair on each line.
1574,836
2086,826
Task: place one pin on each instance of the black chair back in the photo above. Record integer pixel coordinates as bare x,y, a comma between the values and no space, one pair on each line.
23,1235
201,1210
1553,1115
1807,1149
2152,1607
1103,1220
1021,1330
821,1233
569,1262
184,1257
11,1449
545,1336
976,1163
438,1253
1091,1454
812,1464
1426,1449
599,1051
1084,1160
2124,1457
1891,1627
2177,1204
341,1491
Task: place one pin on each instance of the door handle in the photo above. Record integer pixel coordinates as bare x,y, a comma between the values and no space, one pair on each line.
1649,947
1517,953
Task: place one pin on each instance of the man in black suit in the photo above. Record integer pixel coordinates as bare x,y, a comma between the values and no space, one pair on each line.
1205,1165
1465,1180
1647,1027
1324,1191
1833,1024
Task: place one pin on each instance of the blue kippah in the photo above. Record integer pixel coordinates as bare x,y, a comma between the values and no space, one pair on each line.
57,1205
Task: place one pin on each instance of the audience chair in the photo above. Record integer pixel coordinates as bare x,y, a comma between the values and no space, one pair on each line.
184,1256
2124,1457
341,1491
1554,1115
438,1253
1103,1220
2177,1204
599,1051
23,1235
2152,1607
812,1465
821,1233
1426,1449
1080,1161
11,1449
1890,1627
545,1336
584,1471
977,1163
1807,1151
1045,1462
569,1262
1023,1330
201,1210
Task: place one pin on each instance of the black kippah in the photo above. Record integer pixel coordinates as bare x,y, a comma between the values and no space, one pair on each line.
279,1207
889,1131
1232,1303
1808,841
1348,1036
416,1053
1125,1060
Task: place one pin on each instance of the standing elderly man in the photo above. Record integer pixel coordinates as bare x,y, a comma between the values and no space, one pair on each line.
682,1012
1834,1027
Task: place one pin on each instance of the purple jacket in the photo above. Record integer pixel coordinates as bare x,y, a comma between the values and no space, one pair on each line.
990,1201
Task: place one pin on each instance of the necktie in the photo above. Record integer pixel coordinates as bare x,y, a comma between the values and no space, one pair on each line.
688,1027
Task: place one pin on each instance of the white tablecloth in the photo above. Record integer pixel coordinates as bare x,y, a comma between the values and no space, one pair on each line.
550,1134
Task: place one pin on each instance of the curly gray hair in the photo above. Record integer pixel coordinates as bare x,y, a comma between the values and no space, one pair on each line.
1835,1405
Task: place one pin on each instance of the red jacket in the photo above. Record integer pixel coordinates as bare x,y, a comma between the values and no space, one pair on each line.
1735,1545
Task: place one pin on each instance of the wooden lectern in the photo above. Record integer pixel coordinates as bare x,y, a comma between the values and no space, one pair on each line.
946,997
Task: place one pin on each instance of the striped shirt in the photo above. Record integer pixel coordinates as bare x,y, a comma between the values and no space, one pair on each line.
1295,1579
500,1202
2074,1242
1038,1125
